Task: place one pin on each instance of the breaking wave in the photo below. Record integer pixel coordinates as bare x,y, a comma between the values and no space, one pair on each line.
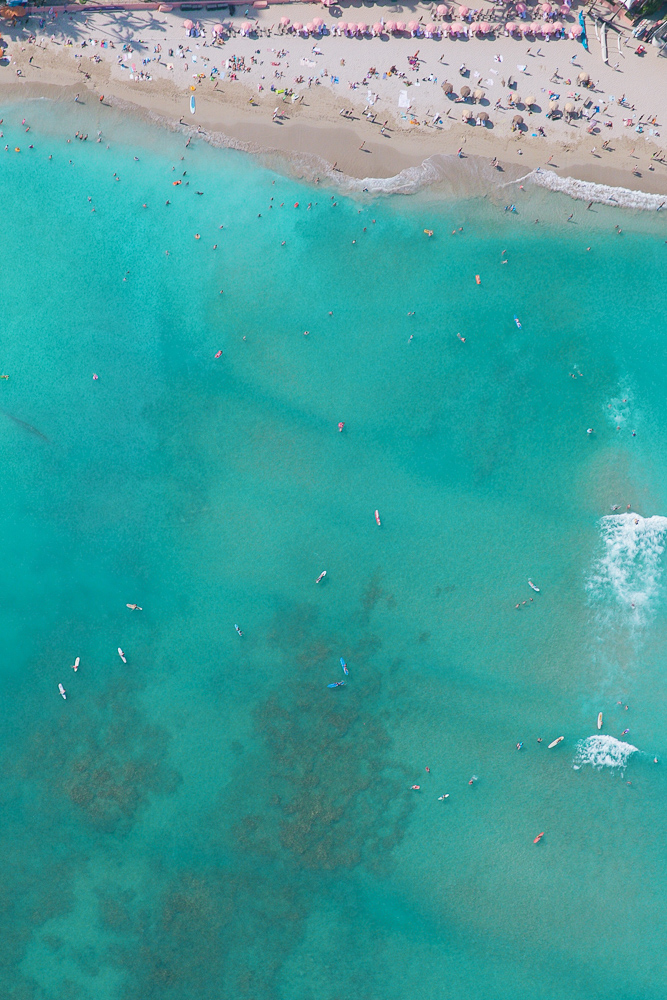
603,194
603,751
628,572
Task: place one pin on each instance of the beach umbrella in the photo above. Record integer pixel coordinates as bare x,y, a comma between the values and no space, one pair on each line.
546,8
565,10
511,27
482,116
400,26
413,27
284,21
553,105
310,27
576,30
484,27
569,107
478,94
442,10
463,11
447,87
390,25
246,27
318,22
521,8
537,27
297,26
362,28
377,29
558,25
342,26
530,101
548,29
583,78
432,29
218,29
517,120
457,28
465,91
188,25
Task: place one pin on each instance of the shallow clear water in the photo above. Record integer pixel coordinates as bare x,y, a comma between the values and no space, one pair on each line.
210,820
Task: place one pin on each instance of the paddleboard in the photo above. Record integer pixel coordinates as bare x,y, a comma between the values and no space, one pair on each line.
377,518
62,691
122,655
531,584
556,742
600,720
192,104
321,576
538,837
75,665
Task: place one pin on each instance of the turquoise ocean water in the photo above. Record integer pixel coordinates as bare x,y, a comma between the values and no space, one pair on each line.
210,820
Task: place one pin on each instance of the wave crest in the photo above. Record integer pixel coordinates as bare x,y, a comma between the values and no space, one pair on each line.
603,751
629,570
620,197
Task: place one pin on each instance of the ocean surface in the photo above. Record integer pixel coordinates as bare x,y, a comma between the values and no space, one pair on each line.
210,821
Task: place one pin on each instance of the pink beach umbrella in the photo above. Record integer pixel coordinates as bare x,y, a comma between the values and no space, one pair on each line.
362,28
511,27
401,26
457,28
342,26
218,29
558,25
564,11
246,27
377,29
284,21
484,27
297,26
318,22
575,30
309,27
390,26
521,8
188,25
412,27
536,27
431,29
351,28
546,8
442,10
464,11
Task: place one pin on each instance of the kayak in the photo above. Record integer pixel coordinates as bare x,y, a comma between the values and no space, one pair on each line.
538,837
62,691
599,720
556,742
344,666
321,576
122,655
377,517
531,584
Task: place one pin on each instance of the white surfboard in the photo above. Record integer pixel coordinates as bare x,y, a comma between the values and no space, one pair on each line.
556,742
599,720
122,655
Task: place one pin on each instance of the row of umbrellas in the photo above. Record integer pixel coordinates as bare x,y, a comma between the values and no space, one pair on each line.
315,27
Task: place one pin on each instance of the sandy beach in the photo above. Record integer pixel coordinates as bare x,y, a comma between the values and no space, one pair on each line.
363,107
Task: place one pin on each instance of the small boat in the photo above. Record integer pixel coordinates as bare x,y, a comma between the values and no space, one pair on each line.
538,837
517,321
218,355
531,584
134,607
344,666
556,742
321,576
377,518
415,788
62,691
75,665
336,684
238,630
341,425
122,655
192,104
599,720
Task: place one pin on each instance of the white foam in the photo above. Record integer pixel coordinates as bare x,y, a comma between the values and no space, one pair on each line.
629,570
603,751
601,193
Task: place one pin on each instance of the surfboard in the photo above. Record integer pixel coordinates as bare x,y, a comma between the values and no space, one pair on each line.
192,104
556,742
600,720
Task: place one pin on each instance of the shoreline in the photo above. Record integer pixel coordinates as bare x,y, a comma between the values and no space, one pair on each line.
312,137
